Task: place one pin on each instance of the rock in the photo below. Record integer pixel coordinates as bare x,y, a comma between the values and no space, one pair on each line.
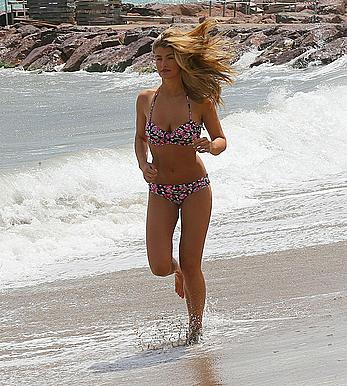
268,19
27,29
190,9
110,42
179,9
288,55
36,53
254,40
26,45
275,52
154,32
144,63
329,53
144,11
71,43
131,36
102,60
318,36
267,42
328,7
11,40
83,51
48,62
127,7
118,58
293,18
332,19
48,36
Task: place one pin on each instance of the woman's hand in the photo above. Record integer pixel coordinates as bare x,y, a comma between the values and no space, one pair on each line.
149,172
202,145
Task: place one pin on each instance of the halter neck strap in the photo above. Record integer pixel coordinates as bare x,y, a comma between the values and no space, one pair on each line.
152,104
155,98
190,110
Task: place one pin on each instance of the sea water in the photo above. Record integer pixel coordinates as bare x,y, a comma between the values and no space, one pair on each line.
73,201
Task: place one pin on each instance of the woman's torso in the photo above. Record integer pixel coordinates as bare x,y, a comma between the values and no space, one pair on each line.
172,125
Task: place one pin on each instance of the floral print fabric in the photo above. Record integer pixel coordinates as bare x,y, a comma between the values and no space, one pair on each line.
182,135
179,192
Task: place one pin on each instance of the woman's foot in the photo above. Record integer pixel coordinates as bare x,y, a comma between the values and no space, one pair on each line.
179,284
193,336
195,329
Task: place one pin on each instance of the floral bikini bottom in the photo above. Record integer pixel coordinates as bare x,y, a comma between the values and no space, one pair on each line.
179,192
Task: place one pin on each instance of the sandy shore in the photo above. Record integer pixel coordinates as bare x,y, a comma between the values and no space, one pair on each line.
274,319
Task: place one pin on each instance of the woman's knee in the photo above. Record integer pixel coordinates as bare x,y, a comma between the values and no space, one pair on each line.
161,269
190,269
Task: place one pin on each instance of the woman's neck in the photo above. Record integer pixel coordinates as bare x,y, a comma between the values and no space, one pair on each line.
172,87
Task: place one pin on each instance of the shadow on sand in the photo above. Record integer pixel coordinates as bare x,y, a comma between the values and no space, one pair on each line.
141,360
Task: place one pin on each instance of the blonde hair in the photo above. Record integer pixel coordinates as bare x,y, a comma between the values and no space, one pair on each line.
204,61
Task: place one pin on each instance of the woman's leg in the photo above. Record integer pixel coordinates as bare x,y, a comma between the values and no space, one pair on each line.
196,212
162,216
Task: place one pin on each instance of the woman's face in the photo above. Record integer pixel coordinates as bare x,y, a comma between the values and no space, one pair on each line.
165,62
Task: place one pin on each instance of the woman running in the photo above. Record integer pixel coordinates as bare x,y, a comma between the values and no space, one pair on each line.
169,120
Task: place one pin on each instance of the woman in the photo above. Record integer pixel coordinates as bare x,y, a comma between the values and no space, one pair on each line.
169,121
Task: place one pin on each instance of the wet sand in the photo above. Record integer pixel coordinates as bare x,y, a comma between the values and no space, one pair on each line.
274,319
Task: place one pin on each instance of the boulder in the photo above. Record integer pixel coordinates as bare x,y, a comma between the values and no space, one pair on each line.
85,49
254,40
328,7
117,59
318,36
71,43
191,9
275,52
26,45
11,40
329,53
132,36
47,62
27,29
144,11
144,63
37,53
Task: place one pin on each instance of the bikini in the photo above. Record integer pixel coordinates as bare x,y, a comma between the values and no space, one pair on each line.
183,135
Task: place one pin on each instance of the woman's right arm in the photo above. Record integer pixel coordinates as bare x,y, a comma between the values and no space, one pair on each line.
141,146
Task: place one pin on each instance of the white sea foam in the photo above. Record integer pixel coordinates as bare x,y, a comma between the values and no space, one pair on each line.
280,184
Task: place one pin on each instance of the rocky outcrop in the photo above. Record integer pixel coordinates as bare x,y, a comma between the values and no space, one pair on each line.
286,45
118,58
325,55
87,47
72,48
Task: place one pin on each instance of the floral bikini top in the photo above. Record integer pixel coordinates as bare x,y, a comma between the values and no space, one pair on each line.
182,135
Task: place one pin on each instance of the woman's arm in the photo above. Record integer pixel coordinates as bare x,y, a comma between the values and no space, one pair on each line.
218,141
141,146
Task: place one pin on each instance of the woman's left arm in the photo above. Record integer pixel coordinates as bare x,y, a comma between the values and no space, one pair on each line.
211,121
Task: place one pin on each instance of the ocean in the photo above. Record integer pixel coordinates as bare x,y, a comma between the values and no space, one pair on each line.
73,202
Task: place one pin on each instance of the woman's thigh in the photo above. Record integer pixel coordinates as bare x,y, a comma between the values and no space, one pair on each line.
195,219
162,216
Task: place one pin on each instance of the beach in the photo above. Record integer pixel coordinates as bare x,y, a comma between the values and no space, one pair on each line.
79,305
272,319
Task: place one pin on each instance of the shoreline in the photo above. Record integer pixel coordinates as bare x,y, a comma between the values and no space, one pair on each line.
278,317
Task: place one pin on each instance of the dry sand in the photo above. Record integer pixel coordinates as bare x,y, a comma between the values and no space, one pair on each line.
274,319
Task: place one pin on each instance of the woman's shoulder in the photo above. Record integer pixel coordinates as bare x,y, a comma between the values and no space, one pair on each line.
144,95
204,105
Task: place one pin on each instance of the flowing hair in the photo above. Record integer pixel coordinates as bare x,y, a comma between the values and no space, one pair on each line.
204,59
